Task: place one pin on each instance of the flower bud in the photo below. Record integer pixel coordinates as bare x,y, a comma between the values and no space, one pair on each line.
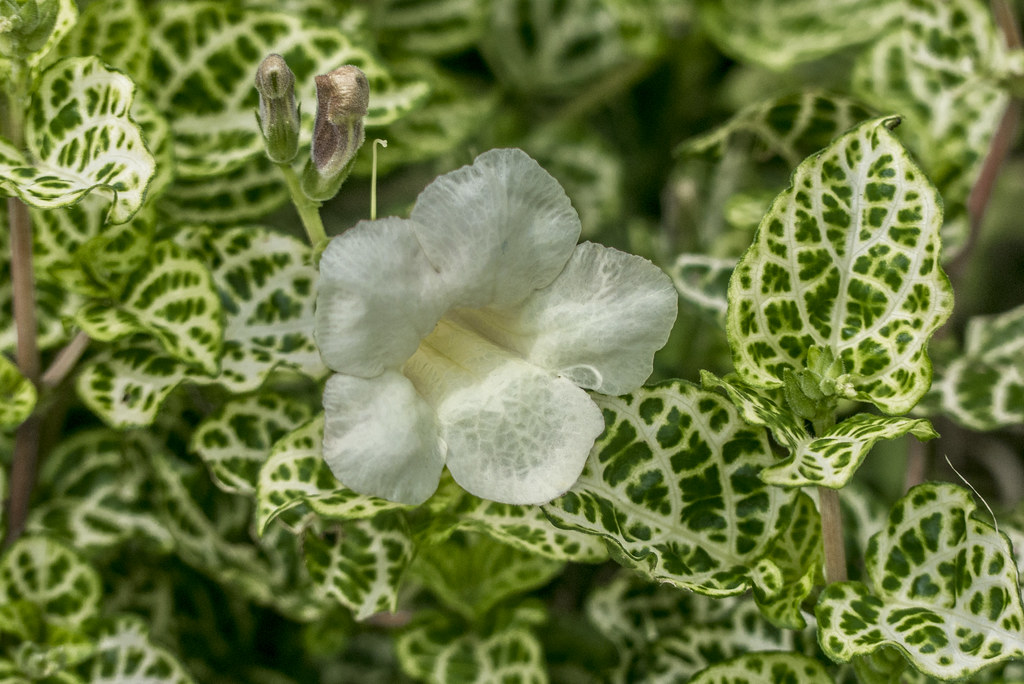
26,25
278,114
342,99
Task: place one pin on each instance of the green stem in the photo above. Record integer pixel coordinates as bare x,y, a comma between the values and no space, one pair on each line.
831,519
309,210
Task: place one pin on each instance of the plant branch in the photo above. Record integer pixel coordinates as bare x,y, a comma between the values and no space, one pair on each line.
65,361
832,535
26,437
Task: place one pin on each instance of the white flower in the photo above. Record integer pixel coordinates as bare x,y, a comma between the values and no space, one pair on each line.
466,335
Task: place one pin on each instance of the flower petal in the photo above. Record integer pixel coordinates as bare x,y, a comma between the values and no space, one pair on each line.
496,230
378,295
381,438
515,433
598,324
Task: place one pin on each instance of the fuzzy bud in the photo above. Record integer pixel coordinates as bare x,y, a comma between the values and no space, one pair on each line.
342,100
278,113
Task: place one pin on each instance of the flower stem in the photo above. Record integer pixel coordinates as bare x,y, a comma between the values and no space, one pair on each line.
309,210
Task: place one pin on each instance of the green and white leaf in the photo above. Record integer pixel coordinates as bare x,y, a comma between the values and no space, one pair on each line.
832,459
236,440
940,67
847,259
781,33
471,574
45,572
172,298
17,395
944,590
116,31
361,563
431,27
208,530
126,385
242,195
798,558
752,668
267,282
267,287
703,281
760,407
205,55
126,654
790,127
674,483
439,648
527,529
548,47
96,484
296,475
665,635
983,387
80,137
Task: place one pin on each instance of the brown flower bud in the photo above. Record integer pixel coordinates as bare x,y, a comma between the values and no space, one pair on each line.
342,97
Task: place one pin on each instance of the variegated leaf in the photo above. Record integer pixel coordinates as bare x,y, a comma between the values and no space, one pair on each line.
126,386
780,33
831,459
44,572
944,590
846,259
526,528
296,475
471,574
361,563
96,483
241,195
267,286
755,668
17,395
431,27
267,282
80,137
236,440
126,654
439,648
546,47
983,388
703,281
799,557
940,68
170,297
199,520
790,127
205,55
674,483
761,407
666,635
117,32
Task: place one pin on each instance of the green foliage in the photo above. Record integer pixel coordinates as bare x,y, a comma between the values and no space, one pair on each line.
183,524
943,590
674,484
80,137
